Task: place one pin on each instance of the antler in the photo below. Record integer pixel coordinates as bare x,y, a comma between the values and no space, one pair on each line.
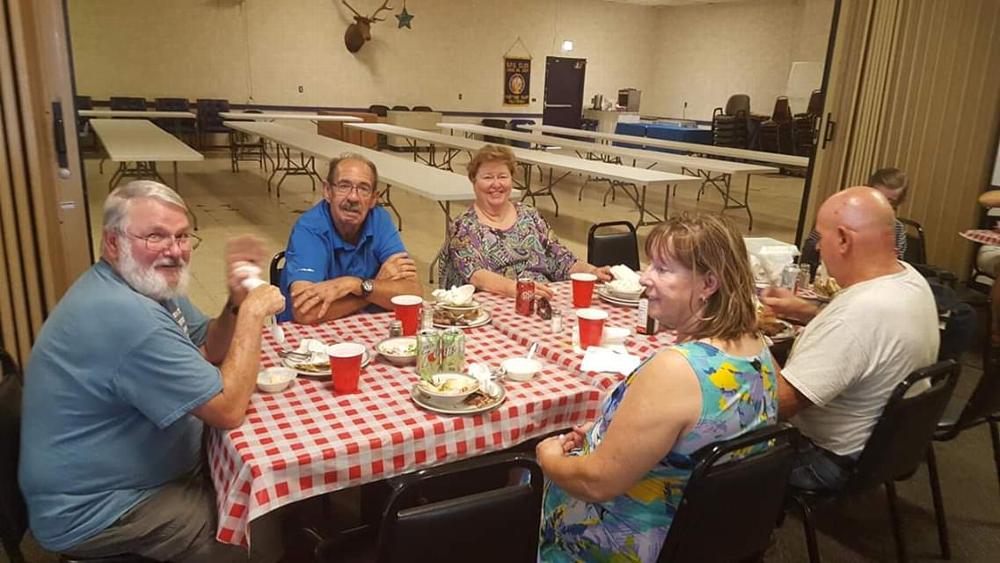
351,9
385,6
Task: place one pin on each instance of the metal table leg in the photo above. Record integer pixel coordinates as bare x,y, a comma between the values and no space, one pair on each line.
446,207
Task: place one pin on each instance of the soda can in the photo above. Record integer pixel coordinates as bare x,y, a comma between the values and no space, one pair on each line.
525,302
453,350
790,277
428,353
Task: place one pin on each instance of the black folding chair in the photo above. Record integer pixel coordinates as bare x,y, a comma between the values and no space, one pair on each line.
277,265
468,519
900,441
718,483
609,246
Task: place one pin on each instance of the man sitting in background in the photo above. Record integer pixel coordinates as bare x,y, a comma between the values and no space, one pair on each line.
120,382
881,327
345,253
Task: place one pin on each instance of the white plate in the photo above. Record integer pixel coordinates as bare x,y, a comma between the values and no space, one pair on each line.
605,295
482,319
290,363
786,334
498,396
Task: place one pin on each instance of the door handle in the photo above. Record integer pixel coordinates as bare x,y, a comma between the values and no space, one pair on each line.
831,129
59,139
558,105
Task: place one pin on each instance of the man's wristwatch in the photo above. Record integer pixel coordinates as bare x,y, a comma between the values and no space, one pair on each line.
367,287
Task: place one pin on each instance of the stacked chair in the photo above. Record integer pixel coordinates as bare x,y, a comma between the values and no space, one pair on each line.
497,123
180,128
776,134
208,118
126,103
381,111
806,125
729,127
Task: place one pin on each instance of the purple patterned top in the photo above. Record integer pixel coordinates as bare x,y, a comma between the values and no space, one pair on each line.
527,249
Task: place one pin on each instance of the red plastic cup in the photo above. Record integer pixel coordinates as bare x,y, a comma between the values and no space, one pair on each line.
407,309
591,323
583,289
345,366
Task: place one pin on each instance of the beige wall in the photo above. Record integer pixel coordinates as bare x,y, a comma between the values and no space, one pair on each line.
201,48
261,51
707,52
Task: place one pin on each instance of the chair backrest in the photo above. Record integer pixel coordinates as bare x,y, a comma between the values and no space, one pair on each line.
400,108
810,255
83,102
171,104
721,481
208,114
738,103
815,106
901,436
13,514
515,125
422,108
608,245
379,110
128,103
916,250
782,111
498,124
465,525
277,265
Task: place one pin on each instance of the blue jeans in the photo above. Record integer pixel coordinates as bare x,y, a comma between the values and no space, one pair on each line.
818,469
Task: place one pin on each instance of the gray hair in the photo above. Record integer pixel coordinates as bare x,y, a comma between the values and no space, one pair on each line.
119,201
352,156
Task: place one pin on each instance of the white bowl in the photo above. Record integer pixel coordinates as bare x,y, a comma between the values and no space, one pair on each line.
273,380
395,350
615,335
521,369
624,290
449,398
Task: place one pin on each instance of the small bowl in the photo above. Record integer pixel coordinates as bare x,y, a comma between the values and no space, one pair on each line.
394,350
521,369
615,335
449,398
276,379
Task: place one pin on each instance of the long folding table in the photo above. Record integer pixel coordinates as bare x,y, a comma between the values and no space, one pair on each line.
642,178
137,145
719,174
649,142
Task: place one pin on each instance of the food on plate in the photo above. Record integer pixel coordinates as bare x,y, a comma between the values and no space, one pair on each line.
768,323
313,367
478,400
456,316
450,385
826,287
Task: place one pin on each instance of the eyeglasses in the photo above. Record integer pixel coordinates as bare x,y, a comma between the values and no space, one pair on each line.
344,188
158,242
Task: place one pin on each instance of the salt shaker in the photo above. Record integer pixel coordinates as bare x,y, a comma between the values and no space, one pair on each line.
556,321
395,328
427,318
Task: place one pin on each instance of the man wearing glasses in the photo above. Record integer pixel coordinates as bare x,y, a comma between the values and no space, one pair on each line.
123,377
345,254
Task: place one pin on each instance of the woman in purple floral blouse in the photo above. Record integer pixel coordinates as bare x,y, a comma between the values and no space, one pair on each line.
497,241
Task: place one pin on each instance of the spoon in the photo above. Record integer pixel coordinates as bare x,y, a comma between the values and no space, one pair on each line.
531,350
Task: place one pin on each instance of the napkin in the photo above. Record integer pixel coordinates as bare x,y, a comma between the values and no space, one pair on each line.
457,295
317,350
598,358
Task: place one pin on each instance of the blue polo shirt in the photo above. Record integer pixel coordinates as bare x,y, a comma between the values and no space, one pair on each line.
317,253
108,392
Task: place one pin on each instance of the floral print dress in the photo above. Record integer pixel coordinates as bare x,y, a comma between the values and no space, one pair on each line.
738,395
527,249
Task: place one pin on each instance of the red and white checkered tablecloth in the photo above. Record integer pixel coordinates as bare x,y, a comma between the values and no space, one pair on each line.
558,348
306,441
984,236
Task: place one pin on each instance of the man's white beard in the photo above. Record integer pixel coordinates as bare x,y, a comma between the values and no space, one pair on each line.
148,281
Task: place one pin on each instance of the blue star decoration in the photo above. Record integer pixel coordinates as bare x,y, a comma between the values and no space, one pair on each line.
404,18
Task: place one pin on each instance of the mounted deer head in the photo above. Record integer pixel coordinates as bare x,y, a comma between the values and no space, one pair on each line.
360,31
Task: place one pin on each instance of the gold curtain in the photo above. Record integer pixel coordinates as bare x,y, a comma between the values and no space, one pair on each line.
913,84
37,209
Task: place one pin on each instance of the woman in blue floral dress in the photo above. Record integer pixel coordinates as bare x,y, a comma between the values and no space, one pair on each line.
497,241
614,485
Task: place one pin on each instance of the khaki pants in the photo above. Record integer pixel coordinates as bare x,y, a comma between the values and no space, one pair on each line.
177,523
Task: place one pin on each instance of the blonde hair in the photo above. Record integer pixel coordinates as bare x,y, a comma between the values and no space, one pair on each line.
706,243
491,153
